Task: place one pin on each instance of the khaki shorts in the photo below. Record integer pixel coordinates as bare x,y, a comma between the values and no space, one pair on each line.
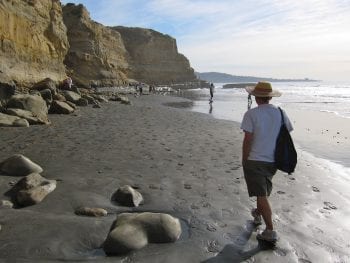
258,176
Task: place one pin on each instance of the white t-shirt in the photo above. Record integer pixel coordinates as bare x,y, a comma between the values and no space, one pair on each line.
264,122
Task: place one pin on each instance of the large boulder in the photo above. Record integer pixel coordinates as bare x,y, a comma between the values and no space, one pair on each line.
71,96
46,94
28,115
19,165
7,87
12,121
33,103
132,231
46,84
33,189
60,107
127,196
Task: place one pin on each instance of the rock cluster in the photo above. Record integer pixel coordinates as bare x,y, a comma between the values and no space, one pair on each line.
23,110
130,231
32,188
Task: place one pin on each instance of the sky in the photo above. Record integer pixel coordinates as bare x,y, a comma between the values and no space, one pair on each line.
264,38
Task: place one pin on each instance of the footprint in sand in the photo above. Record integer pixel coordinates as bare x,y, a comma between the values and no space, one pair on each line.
194,207
211,228
187,186
281,192
329,206
213,246
315,189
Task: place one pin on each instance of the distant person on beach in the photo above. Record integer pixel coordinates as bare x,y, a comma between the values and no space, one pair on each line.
211,90
140,88
261,126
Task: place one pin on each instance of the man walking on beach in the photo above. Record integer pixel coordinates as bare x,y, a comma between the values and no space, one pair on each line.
261,126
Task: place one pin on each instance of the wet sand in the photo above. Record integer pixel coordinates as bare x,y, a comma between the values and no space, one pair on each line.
184,163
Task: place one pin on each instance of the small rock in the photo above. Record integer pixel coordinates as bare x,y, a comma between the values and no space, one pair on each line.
127,196
6,204
87,211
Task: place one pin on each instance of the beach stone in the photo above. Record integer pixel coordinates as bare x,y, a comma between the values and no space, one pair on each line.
71,104
46,84
97,106
99,98
7,120
33,189
19,165
87,211
115,97
127,196
60,107
6,204
71,96
24,114
82,102
89,98
33,103
46,94
59,97
125,100
21,123
132,231
7,87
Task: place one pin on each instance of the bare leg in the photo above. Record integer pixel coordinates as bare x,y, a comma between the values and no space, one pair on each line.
264,208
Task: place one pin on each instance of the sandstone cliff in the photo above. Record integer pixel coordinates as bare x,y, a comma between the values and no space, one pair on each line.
154,58
33,40
97,54
39,40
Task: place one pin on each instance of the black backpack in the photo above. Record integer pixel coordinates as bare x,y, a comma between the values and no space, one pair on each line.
285,153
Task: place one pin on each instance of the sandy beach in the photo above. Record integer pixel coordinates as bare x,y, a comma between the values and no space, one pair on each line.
184,163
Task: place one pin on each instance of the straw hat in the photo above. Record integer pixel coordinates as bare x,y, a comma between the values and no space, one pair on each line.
263,89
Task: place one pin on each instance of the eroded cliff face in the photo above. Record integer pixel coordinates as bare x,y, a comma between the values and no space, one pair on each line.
33,40
41,39
97,54
154,58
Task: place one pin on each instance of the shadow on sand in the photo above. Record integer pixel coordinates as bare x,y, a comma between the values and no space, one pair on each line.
235,252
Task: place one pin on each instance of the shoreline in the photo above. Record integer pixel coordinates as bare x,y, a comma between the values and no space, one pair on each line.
184,163
323,134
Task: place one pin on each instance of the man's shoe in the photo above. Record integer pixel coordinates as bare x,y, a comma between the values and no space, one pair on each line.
268,235
257,218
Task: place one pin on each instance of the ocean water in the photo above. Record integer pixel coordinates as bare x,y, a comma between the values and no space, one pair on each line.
230,104
308,97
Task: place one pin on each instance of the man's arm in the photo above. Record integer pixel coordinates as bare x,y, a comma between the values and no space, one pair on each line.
247,142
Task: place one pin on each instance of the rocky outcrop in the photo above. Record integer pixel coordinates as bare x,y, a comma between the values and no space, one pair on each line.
97,55
33,40
154,58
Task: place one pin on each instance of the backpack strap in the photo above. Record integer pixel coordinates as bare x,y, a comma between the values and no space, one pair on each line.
282,116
